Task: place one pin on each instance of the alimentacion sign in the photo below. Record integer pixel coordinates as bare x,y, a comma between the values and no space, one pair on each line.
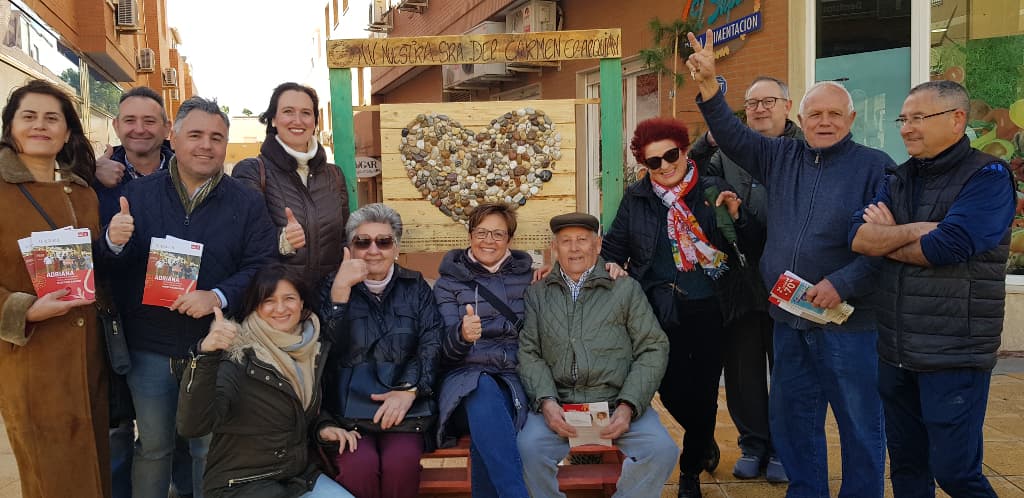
709,12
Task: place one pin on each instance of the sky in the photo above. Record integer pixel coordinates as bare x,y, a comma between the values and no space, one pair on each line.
241,49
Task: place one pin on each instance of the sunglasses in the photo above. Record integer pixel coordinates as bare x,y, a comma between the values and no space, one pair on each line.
384,242
671,155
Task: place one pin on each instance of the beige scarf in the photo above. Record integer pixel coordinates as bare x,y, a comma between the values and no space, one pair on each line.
270,346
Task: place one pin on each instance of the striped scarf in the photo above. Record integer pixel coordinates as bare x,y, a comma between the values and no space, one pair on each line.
690,247
190,202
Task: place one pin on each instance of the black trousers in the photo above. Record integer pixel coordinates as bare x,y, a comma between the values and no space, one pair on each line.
689,389
747,358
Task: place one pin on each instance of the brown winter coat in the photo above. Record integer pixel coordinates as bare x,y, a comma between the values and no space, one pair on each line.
320,206
53,374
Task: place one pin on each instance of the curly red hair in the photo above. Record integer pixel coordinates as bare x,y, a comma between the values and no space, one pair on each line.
655,129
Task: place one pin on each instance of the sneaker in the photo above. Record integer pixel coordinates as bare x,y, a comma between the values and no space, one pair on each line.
712,457
747,467
689,486
775,472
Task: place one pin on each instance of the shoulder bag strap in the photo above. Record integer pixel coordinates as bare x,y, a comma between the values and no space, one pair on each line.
500,305
39,208
263,173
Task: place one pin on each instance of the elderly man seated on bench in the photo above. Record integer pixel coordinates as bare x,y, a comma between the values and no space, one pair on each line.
588,338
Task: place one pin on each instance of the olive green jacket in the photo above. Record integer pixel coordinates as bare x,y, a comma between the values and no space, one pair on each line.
610,336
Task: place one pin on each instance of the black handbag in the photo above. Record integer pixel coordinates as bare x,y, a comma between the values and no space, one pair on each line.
377,377
108,318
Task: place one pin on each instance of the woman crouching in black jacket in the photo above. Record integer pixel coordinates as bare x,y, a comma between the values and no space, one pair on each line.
256,387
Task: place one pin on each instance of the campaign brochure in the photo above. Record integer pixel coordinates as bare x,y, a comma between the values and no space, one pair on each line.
588,419
789,293
61,259
171,271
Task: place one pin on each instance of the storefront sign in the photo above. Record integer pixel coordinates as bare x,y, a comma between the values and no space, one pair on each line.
734,29
476,49
367,167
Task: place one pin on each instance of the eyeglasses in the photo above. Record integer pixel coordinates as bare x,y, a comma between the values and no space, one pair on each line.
384,242
498,235
671,155
917,120
767,103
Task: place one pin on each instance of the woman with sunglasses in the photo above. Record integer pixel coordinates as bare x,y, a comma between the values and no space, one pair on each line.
667,236
306,195
384,326
480,295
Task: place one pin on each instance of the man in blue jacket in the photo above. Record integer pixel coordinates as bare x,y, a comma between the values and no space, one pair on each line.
191,200
942,222
141,126
813,189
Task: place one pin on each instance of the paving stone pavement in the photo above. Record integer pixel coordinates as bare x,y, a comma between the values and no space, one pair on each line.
1004,449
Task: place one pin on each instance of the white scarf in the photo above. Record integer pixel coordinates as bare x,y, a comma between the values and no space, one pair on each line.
301,158
377,286
496,266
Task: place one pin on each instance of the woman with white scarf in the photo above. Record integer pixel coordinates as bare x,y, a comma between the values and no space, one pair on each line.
306,196
256,386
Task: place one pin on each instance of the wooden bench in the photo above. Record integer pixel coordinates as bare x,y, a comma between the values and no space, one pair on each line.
453,477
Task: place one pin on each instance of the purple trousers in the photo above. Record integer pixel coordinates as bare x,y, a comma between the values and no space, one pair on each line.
384,465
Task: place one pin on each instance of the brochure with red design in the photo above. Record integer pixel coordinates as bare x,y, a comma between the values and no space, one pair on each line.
172,270
588,419
63,259
789,293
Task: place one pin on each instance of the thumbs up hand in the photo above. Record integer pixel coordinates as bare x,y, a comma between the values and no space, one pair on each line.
293,231
122,225
351,272
471,327
108,171
222,334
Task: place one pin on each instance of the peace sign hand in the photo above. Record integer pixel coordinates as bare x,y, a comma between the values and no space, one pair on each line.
702,64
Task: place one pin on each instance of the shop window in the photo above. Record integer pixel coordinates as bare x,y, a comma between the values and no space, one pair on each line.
104,95
979,44
32,43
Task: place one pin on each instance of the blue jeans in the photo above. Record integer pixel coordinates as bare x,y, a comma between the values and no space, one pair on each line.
154,389
813,369
651,455
497,467
122,446
933,424
325,487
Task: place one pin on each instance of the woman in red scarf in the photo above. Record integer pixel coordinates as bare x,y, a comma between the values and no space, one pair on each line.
667,236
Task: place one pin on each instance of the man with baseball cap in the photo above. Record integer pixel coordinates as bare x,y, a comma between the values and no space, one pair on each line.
588,338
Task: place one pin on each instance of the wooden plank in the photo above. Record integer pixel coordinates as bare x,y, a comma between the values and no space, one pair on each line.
611,139
475,49
376,107
397,116
344,131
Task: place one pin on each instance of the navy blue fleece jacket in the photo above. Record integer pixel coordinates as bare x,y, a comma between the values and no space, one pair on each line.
812,194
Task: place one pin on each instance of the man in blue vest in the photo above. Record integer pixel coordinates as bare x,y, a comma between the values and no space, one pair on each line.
942,222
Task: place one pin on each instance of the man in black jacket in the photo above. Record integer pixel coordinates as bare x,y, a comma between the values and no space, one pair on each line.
748,349
942,222
192,200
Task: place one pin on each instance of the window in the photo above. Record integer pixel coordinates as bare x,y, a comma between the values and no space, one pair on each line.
103,94
33,43
979,45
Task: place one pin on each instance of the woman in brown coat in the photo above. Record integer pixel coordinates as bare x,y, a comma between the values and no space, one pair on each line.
53,385
306,196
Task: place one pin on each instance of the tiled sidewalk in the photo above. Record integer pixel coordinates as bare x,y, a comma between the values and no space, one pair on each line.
1004,450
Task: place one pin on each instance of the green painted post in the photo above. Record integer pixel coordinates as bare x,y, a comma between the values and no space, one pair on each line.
611,139
344,130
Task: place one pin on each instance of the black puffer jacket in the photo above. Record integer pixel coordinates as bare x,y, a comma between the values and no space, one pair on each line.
497,351
642,219
404,319
262,437
320,206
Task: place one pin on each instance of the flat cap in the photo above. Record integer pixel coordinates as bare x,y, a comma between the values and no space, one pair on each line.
575,220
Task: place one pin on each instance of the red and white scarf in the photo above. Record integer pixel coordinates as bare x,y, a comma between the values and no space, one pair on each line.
690,247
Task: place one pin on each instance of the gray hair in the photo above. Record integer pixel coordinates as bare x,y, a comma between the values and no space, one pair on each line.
198,104
145,92
375,213
947,91
783,87
822,84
